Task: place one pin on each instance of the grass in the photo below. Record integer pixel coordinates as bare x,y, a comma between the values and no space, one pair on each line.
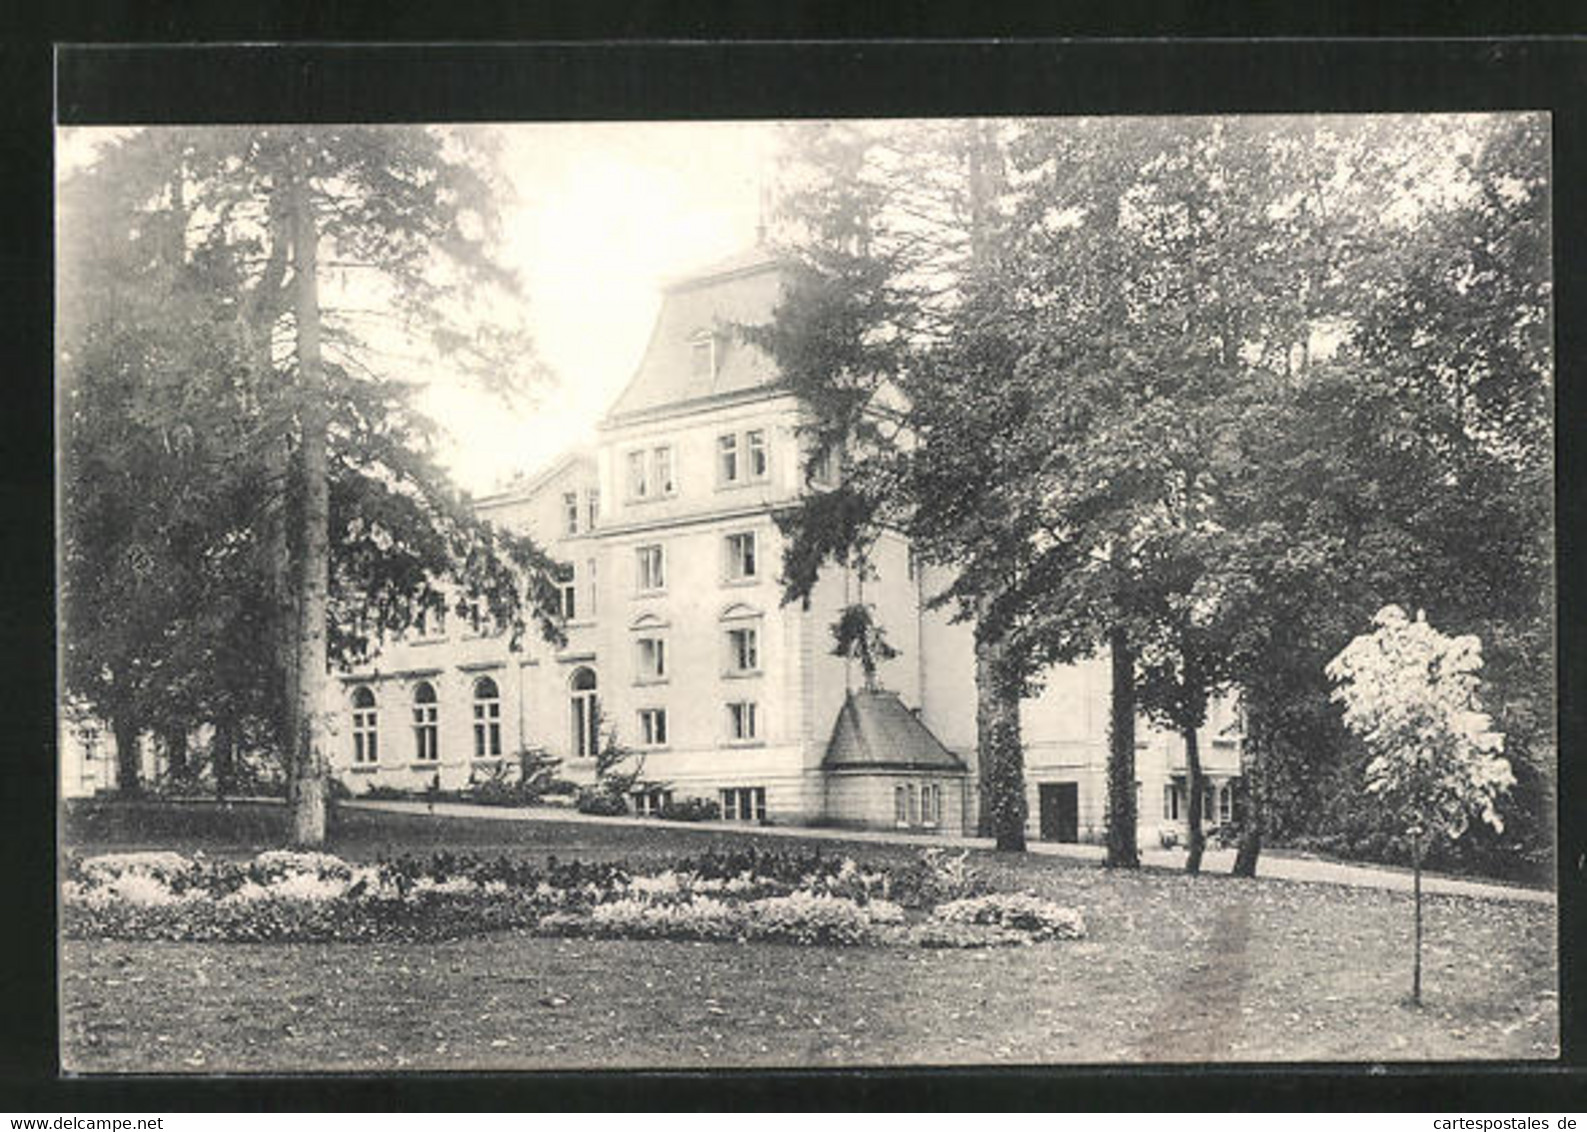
1175,968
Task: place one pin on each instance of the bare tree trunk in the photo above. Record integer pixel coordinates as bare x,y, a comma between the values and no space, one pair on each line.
1123,843
309,768
223,758
129,771
1416,888
1253,816
175,752
1197,840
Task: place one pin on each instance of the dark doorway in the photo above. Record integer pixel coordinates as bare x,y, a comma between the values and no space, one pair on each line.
1060,811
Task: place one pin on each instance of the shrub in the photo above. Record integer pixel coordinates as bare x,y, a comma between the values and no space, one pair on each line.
936,877
1020,911
536,772
692,809
378,792
602,803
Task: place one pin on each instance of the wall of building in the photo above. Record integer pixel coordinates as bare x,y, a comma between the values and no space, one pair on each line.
865,800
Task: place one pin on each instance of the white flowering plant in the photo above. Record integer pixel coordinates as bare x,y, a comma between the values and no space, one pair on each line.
282,895
1017,911
1410,694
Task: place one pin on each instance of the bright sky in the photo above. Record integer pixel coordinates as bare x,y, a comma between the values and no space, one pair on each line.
605,212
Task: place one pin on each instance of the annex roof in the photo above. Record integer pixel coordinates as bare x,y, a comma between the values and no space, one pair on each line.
875,731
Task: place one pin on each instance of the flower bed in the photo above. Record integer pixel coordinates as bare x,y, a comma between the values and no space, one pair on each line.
803,898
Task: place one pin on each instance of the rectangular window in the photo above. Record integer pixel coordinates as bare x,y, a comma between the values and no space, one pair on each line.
743,650
662,466
570,512
652,663
914,805
426,732
1170,811
638,476
755,444
653,727
900,808
727,458
593,500
742,725
741,564
487,729
1226,803
931,805
650,803
366,741
823,468
744,803
651,566
568,589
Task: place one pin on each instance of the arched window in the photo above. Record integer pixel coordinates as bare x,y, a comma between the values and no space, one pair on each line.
487,719
426,723
366,742
585,713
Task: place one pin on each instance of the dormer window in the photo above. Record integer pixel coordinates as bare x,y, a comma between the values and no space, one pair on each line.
702,356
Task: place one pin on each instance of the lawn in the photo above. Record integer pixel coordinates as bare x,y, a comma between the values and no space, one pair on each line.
1173,969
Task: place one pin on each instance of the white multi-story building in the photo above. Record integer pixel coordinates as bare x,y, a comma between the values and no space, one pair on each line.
677,638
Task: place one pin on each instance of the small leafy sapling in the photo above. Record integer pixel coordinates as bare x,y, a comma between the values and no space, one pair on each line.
1410,694
858,636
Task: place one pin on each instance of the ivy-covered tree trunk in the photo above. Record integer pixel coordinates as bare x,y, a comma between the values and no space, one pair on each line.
308,767
1002,758
129,772
1197,840
1123,820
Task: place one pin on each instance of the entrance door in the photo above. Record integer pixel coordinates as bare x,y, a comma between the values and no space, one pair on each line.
1060,811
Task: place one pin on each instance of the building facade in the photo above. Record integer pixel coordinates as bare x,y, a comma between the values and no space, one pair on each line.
677,640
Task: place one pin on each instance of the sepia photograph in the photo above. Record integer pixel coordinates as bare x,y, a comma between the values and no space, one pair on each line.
840,593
